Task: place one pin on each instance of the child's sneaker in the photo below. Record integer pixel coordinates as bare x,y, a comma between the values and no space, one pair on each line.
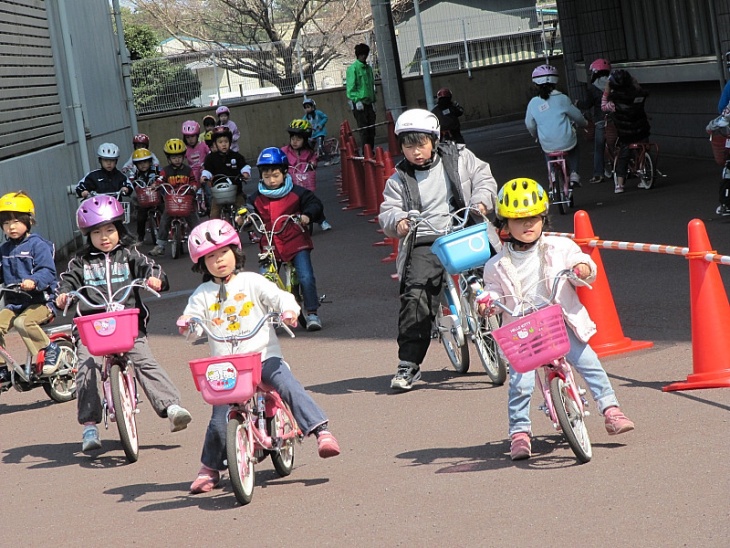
407,374
206,481
520,447
618,189
50,358
327,445
326,226
90,441
313,322
616,422
157,250
575,180
179,418
4,374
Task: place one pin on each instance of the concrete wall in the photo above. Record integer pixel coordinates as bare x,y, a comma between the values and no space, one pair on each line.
493,94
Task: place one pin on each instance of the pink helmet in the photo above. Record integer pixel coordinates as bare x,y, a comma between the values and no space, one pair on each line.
222,110
599,65
545,74
209,236
141,139
96,211
190,127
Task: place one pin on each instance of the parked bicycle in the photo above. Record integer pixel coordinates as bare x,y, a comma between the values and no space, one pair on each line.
60,385
463,252
259,422
538,341
110,335
328,150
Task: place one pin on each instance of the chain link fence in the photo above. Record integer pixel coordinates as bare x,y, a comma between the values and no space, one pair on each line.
243,73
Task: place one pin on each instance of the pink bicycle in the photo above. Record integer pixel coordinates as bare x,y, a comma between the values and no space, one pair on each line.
259,422
110,335
538,341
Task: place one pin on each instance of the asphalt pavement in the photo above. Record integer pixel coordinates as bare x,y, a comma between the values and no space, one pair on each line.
424,468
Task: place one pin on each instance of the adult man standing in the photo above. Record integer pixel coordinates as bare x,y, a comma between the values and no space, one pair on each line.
361,94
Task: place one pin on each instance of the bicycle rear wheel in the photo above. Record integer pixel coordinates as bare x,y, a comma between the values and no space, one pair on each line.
124,411
451,334
571,418
561,200
240,459
647,172
281,425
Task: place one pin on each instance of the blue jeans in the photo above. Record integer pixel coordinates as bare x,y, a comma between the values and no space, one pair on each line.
584,360
599,148
305,273
277,375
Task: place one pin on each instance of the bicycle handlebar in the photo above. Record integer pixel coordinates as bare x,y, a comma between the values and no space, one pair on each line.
110,304
276,318
519,310
258,223
14,288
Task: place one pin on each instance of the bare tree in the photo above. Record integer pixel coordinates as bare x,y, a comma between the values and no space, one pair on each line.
264,37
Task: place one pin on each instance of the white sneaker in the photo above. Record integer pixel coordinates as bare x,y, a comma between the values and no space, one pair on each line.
407,374
723,210
325,226
644,185
157,250
179,418
618,189
574,180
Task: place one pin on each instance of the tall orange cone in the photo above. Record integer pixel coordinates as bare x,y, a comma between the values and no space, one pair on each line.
609,339
710,313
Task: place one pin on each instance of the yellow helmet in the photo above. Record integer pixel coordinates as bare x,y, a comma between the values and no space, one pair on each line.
17,202
521,198
141,154
174,146
300,127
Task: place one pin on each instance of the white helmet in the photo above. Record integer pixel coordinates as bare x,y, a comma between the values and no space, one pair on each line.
418,120
108,151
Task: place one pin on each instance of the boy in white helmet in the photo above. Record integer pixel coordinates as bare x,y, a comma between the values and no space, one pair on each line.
435,179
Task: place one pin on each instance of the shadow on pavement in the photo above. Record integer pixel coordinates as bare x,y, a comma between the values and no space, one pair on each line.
6,409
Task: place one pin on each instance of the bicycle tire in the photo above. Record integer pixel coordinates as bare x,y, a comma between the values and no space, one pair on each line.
240,461
647,173
176,242
559,188
571,419
61,386
152,227
124,412
492,360
282,457
448,332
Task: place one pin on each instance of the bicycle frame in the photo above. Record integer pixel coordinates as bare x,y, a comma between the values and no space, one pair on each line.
561,196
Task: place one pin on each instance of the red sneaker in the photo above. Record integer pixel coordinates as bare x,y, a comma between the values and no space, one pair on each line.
616,422
327,445
520,447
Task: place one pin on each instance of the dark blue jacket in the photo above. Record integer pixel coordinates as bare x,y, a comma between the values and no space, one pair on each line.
29,259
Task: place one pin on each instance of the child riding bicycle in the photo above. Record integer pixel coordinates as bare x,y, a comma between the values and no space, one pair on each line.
144,175
224,161
318,119
550,118
109,261
230,299
434,179
524,270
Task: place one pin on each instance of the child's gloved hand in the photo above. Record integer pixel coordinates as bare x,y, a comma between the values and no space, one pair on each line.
359,106
290,318
154,283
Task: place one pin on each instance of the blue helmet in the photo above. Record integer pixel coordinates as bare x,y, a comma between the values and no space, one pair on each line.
272,156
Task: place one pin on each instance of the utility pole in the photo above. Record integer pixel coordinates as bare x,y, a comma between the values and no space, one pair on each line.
388,59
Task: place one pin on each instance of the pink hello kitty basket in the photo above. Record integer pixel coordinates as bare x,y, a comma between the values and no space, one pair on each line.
222,380
109,332
535,339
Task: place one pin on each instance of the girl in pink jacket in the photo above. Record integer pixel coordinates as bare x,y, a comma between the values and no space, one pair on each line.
525,269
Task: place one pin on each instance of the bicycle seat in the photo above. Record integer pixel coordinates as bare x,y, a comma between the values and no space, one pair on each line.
557,154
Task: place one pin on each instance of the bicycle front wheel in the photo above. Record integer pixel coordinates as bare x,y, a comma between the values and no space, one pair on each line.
176,245
124,411
451,334
571,418
492,360
240,459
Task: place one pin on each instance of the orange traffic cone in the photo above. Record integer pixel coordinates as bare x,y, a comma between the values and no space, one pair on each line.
710,313
609,339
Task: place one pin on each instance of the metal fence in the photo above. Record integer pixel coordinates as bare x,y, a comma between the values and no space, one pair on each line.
235,75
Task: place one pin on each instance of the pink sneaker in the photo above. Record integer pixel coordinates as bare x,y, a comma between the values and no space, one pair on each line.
616,422
205,482
520,447
327,445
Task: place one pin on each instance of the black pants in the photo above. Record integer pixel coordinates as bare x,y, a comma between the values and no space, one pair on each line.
420,289
365,118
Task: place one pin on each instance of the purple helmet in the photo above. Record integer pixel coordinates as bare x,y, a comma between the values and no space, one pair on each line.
98,210
222,110
545,74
